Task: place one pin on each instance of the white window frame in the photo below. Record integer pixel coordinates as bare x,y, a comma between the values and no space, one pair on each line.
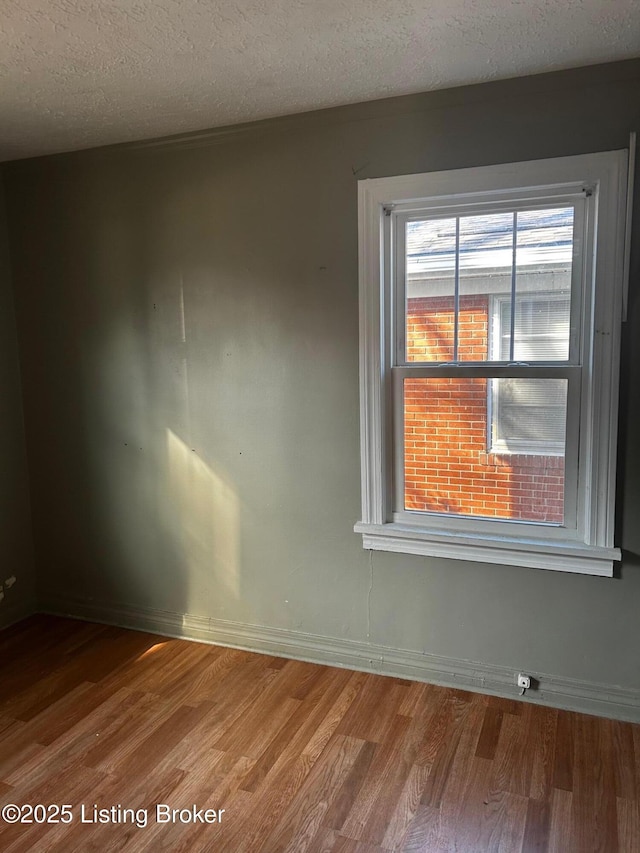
523,448
584,543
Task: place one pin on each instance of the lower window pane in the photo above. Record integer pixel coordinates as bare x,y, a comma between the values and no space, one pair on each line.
483,448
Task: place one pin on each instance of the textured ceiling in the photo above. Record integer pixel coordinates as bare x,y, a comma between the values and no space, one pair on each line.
81,73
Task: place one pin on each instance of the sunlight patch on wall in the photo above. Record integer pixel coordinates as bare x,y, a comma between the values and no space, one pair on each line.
207,515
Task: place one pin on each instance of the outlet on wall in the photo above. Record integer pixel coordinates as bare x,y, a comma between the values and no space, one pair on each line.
524,681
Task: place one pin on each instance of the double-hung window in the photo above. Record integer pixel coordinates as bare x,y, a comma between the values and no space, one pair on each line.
490,322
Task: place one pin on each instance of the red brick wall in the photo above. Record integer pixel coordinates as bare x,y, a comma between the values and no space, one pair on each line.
447,464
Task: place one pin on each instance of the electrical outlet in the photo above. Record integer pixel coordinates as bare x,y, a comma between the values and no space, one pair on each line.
524,681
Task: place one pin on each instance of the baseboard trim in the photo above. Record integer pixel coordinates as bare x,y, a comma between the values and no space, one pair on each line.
555,691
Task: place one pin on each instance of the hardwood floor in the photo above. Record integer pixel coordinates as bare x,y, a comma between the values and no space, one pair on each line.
301,757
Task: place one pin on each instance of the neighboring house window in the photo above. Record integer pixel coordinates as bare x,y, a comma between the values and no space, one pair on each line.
490,318
529,417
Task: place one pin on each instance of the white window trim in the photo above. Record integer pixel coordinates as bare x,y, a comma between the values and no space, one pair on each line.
590,548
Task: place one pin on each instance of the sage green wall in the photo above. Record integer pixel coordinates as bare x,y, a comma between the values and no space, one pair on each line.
188,319
16,555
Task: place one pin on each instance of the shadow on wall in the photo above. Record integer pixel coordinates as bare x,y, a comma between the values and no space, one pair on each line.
201,450
152,522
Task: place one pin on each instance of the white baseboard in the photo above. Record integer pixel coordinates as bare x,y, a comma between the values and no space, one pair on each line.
555,691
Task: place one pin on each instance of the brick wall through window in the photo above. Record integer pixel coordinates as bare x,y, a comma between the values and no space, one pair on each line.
448,464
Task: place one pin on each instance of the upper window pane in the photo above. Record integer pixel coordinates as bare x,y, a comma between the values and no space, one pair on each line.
457,267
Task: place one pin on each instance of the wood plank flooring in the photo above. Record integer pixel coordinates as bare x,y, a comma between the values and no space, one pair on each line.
301,757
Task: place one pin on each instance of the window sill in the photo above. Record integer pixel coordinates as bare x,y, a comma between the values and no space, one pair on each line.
537,554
